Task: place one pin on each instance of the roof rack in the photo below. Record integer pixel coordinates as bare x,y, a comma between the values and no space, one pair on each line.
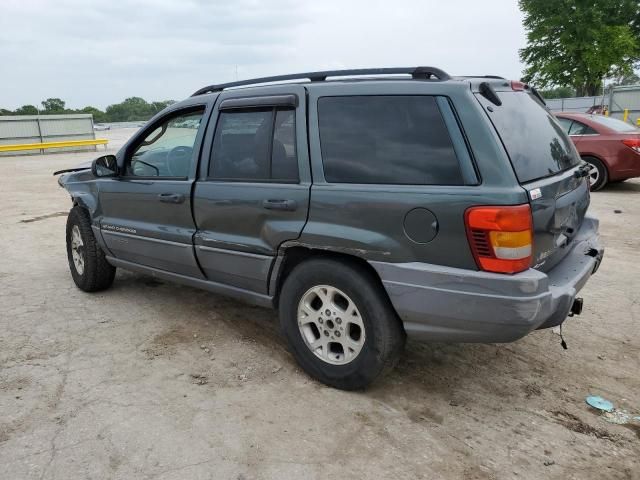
496,77
424,73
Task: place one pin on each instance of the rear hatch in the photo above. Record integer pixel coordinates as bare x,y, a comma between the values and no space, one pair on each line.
546,164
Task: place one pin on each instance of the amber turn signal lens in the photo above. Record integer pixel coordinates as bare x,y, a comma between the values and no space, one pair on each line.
501,238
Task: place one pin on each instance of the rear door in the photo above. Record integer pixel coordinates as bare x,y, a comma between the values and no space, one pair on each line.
253,192
547,165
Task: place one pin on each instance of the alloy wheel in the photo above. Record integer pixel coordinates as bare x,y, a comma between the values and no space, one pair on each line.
77,249
594,174
331,325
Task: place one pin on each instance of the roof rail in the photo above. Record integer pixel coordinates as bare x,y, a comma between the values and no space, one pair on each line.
424,73
496,77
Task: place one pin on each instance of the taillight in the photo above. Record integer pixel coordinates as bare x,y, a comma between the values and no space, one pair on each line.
501,238
633,143
517,86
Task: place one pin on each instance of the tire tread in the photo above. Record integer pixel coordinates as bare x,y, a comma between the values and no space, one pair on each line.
98,274
388,335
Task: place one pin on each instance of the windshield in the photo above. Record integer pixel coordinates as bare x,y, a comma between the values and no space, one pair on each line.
615,124
536,143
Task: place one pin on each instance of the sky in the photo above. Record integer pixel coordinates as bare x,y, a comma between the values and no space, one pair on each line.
98,53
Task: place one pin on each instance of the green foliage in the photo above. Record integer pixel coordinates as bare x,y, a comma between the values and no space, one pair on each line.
26,110
578,43
53,106
632,79
98,115
558,92
132,109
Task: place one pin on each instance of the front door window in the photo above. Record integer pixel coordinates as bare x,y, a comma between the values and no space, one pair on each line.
167,151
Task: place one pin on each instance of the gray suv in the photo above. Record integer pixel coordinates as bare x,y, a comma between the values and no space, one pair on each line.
366,205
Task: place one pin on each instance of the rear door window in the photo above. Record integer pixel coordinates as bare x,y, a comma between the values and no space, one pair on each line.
386,140
255,145
535,142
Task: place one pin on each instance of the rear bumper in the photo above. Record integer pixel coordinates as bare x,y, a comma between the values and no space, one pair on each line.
625,164
447,304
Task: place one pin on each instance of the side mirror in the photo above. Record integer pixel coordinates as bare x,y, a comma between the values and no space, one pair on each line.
105,166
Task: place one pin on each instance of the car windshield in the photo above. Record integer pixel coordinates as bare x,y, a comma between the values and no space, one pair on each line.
615,124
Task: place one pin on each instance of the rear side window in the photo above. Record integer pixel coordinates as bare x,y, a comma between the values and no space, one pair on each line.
565,123
579,128
386,140
614,124
255,145
536,143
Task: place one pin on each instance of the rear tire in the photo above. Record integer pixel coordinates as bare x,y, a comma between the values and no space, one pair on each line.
343,310
598,175
89,268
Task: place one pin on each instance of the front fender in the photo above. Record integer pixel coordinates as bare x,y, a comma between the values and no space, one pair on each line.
82,188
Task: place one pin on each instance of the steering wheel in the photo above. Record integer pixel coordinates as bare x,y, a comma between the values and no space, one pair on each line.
179,161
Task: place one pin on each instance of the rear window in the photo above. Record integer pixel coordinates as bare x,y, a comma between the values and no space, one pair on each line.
614,124
536,143
400,140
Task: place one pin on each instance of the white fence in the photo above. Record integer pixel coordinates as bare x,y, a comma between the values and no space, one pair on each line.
25,129
575,104
619,100
625,98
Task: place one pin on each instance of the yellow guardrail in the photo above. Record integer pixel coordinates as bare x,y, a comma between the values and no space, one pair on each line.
45,145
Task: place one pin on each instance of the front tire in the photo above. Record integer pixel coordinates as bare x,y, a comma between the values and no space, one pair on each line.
598,175
339,323
89,268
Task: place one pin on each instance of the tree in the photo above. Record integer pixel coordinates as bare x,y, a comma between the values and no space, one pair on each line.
53,105
558,92
131,109
159,106
98,115
632,79
26,110
134,108
577,43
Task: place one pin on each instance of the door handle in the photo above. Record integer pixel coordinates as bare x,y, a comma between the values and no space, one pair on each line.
287,205
171,197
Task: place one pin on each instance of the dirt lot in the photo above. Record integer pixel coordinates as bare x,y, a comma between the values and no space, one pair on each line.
153,380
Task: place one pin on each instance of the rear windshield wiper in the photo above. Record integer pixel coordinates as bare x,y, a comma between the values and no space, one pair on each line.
538,96
487,91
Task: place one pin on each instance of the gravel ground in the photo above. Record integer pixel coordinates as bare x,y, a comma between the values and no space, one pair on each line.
153,380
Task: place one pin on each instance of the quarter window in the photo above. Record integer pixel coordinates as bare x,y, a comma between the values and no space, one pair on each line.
386,140
168,150
255,145
578,128
565,123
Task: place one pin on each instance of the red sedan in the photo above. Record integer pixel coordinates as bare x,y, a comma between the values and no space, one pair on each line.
610,146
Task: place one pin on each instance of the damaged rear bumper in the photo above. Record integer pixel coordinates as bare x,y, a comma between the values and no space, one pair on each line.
439,303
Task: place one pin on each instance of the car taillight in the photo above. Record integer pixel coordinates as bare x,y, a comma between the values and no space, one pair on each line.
633,143
517,86
501,238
